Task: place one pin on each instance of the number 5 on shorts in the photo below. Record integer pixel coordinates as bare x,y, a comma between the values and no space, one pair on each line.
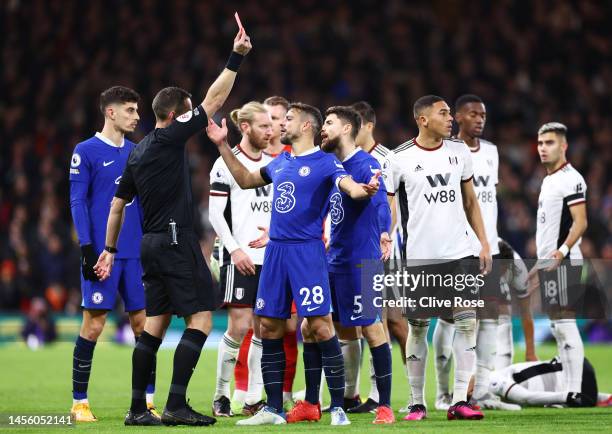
316,295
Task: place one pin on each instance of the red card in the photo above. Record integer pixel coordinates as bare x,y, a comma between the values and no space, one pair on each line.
238,21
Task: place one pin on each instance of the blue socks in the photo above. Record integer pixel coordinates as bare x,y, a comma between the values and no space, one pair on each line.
333,365
381,358
312,370
273,371
81,367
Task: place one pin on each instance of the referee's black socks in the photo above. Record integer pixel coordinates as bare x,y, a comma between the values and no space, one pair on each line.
143,359
186,358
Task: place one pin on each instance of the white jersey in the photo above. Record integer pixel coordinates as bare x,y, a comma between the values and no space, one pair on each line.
381,153
485,161
533,376
244,210
560,190
427,187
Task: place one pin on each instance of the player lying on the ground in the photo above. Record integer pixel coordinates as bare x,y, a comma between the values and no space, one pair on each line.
545,383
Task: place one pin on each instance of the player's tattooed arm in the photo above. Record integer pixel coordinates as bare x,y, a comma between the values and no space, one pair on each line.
358,191
244,178
474,217
222,86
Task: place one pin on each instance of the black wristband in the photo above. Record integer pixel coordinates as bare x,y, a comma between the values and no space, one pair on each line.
234,61
111,249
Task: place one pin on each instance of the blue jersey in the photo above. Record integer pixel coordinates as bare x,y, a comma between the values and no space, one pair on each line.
302,185
356,225
95,170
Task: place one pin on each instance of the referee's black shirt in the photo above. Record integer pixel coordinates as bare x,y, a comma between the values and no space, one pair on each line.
157,172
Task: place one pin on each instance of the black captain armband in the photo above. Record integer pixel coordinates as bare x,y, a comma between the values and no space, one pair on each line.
234,61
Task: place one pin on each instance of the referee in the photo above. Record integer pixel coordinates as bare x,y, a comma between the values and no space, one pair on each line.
175,275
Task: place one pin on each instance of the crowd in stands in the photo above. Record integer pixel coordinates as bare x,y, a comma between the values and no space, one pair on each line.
531,62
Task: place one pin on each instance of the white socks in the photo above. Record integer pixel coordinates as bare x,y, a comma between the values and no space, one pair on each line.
226,360
464,352
486,350
416,358
256,384
505,344
443,351
571,351
521,395
351,353
373,388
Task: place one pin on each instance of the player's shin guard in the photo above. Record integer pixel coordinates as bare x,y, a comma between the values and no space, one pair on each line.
333,365
226,360
416,358
443,351
186,358
81,367
486,350
313,367
143,358
464,352
571,351
255,385
505,345
351,354
291,353
381,357
273,371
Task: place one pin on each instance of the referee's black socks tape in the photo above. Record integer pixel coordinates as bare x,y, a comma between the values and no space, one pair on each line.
186,358
234,61
143,359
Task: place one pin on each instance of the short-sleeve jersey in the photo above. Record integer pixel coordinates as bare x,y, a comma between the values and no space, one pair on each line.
560,190
355,229
100,165
427,186
245,209
485,161
158,173
302,185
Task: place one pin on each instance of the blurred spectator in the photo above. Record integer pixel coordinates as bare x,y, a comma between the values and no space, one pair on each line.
531,62
39,328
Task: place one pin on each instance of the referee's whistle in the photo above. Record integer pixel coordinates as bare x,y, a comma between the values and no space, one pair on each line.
173,233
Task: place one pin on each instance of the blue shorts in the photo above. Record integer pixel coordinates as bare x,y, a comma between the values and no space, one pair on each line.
293,271
354,300
125,279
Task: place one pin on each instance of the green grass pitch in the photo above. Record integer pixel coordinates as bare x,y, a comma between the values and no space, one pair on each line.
39,382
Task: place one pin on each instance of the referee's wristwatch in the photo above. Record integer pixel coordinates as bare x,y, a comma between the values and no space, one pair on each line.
111,249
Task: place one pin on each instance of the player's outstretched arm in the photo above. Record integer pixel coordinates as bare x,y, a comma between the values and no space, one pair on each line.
244,178
221,87
113,227
360,191
474,217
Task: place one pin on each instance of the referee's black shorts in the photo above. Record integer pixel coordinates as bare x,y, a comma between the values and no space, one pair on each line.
176,278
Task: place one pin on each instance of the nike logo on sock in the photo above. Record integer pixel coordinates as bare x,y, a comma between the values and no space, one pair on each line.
84,366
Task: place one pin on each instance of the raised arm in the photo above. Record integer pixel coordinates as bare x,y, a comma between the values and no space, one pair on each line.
218,92
244,178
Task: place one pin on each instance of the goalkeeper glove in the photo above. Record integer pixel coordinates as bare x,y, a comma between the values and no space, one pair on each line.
88,260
